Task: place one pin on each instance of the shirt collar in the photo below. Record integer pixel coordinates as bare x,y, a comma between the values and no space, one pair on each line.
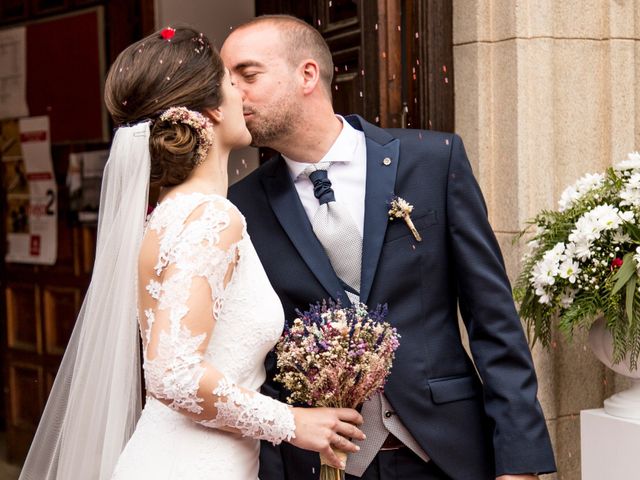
343,150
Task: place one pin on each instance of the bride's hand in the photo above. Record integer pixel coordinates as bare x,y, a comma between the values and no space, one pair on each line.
319,429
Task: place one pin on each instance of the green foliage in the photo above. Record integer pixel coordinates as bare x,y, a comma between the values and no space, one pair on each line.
607,284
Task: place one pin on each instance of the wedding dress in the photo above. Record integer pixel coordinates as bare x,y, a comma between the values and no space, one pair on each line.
208,316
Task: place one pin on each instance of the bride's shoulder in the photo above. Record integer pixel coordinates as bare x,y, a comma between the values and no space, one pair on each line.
186,211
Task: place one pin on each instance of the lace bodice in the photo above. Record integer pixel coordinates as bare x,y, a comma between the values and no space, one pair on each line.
208,317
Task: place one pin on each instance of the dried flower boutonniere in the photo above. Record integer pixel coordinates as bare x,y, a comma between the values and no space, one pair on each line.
400,208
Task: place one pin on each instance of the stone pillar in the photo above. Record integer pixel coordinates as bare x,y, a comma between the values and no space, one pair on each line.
546,91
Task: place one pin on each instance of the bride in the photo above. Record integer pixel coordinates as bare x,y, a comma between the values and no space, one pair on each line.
205,310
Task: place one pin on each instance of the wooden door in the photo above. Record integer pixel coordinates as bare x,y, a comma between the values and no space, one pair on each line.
393,59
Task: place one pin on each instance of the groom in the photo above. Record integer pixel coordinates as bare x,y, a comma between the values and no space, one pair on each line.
318,217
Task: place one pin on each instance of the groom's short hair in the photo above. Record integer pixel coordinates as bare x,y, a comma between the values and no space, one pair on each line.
301,41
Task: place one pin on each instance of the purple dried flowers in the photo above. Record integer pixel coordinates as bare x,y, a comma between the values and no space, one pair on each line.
334,356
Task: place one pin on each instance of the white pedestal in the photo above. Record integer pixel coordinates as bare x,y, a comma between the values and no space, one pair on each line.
610,446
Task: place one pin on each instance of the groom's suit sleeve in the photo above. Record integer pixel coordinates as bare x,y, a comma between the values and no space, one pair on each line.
499,348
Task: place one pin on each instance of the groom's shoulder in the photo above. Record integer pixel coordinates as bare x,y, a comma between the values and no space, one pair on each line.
252,183
426,147
431,139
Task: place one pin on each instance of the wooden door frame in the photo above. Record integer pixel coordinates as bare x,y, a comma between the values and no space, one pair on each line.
420,80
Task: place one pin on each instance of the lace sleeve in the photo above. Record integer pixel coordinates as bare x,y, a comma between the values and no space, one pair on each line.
196,261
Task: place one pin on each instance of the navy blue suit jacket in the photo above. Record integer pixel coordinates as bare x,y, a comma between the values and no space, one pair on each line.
473,427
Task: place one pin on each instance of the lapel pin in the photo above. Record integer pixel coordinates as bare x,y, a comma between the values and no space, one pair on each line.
386,162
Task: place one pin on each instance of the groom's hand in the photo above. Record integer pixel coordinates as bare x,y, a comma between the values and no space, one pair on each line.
517,477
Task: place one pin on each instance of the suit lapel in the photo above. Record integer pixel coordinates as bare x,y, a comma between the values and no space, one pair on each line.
383,152
288,208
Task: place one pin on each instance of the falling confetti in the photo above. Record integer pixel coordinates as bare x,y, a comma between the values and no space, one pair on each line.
446,79
399,28
161,61
444,68
376,27
417,35
384,54
362,72
446,142
361,94
377,119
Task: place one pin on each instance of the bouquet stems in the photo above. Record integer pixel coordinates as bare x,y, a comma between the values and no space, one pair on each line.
328,472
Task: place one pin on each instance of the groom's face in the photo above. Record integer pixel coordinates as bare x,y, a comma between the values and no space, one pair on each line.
257,60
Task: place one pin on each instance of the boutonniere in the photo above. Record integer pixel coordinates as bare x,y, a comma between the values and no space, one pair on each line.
400,208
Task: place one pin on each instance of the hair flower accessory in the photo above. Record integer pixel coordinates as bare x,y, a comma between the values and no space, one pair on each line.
168,33
400,208
201,124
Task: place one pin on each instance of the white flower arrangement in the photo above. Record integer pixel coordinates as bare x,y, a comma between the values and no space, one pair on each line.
583,260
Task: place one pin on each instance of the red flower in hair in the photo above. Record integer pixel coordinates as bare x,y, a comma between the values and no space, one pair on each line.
168,33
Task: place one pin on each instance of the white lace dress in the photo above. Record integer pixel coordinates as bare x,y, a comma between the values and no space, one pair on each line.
208,316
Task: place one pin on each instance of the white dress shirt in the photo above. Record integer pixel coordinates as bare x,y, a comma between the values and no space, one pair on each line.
348,173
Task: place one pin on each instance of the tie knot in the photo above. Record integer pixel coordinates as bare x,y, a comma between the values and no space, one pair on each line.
321,184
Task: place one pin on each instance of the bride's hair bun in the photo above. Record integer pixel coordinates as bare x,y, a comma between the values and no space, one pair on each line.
173,152
155,74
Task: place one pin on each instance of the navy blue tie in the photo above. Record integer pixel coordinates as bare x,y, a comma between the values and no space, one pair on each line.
322,186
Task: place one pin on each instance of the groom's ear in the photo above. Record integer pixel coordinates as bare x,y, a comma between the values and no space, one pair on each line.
310,75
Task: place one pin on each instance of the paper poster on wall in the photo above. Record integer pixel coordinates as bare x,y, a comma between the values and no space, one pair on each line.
32,194
13,73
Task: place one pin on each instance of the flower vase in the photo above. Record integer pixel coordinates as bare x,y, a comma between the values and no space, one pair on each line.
625,404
